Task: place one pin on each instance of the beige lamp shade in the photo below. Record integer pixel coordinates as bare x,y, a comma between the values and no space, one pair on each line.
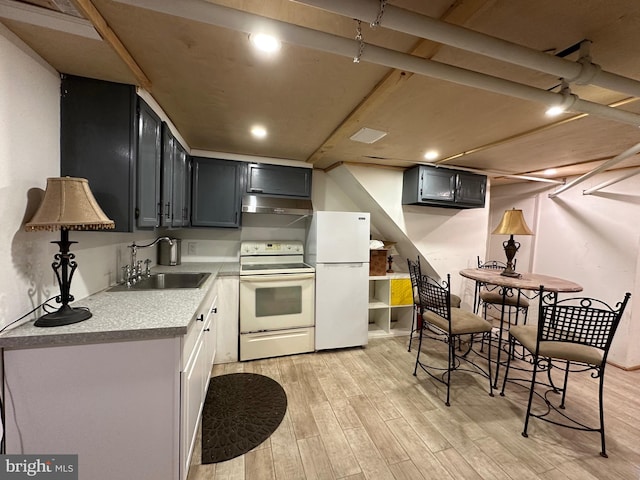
512,223
69,204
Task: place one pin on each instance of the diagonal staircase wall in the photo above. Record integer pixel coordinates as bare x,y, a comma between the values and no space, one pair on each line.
447,240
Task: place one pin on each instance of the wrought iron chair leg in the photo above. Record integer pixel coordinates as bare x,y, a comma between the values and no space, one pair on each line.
415,370
603,452
533,385
451,362
489,365
413,325
512,346
564,386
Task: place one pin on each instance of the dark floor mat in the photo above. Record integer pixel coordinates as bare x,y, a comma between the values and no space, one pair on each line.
241,411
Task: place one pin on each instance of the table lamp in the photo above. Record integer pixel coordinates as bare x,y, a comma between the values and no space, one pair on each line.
512,223
68,204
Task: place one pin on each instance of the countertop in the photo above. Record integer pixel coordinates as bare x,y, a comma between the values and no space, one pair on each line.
126,315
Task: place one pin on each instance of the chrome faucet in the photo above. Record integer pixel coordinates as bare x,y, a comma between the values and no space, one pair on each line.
134,273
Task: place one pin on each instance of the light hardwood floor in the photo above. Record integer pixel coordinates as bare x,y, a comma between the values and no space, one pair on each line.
361,414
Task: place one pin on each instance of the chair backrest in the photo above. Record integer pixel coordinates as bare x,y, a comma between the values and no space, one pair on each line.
580,320
435,296
493,264
414,272
414,275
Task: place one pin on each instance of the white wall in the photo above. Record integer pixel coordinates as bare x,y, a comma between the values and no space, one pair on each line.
593,240
29,153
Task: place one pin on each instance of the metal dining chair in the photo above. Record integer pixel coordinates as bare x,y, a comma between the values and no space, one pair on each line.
574,334
442,322
416,321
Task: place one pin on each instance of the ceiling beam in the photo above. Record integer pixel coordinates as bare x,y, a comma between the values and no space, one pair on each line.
459,13
88,9
43,17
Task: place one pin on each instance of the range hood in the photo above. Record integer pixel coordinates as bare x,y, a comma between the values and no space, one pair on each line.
278,205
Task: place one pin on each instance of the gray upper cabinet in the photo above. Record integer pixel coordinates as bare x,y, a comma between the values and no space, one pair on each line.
217,194
148,173
112,138
278,180
174,210
443,187
181,208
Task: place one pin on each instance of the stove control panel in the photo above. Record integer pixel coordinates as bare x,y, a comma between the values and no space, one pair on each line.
288,247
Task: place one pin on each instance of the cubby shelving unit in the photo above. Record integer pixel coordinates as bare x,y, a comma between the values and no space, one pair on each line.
390,305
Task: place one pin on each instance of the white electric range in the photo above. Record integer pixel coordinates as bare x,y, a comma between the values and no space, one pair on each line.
277,300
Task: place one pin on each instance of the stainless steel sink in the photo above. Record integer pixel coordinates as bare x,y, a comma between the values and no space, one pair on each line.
164,281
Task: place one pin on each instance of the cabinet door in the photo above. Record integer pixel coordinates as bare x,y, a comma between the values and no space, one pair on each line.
98,142
471,189
179,210
279,180
192,401
148,166
437,185
168,161
216,193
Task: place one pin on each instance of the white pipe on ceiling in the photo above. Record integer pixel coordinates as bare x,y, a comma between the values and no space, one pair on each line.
602,185
405,21
609,163
212,14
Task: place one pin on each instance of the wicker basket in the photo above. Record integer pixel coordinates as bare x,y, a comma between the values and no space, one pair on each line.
377,263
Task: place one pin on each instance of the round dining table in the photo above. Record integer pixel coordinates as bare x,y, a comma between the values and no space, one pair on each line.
525,281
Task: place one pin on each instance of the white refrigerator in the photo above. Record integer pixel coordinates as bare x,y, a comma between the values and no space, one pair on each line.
338,247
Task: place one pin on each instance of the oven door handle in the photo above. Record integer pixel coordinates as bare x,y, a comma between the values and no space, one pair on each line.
281,277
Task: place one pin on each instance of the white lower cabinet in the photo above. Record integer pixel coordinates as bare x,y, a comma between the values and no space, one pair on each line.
128,409
198,358
193,381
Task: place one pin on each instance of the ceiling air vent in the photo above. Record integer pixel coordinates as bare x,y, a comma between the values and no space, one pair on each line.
367,135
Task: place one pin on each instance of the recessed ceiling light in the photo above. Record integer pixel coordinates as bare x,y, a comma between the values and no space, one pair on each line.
431,155
258,131
550,171
367,135
265,43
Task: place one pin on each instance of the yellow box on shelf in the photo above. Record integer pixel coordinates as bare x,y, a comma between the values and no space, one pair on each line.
401,291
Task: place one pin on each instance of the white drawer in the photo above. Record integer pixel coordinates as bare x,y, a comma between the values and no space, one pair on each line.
276,343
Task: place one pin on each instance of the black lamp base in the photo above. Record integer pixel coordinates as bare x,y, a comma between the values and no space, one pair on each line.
66,315
510,273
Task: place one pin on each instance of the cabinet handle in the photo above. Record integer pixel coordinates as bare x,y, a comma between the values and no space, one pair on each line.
200,317
207,330
256,190
168,210
214,310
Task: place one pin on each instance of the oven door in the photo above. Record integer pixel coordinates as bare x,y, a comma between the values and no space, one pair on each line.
275,302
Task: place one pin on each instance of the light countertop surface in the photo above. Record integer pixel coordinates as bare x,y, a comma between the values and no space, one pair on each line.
126,315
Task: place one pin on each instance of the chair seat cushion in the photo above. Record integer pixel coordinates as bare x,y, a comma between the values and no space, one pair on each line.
462,322
495,297
575,352
455,299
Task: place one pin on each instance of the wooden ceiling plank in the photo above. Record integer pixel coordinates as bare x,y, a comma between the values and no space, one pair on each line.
526,133
89,10
459,13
